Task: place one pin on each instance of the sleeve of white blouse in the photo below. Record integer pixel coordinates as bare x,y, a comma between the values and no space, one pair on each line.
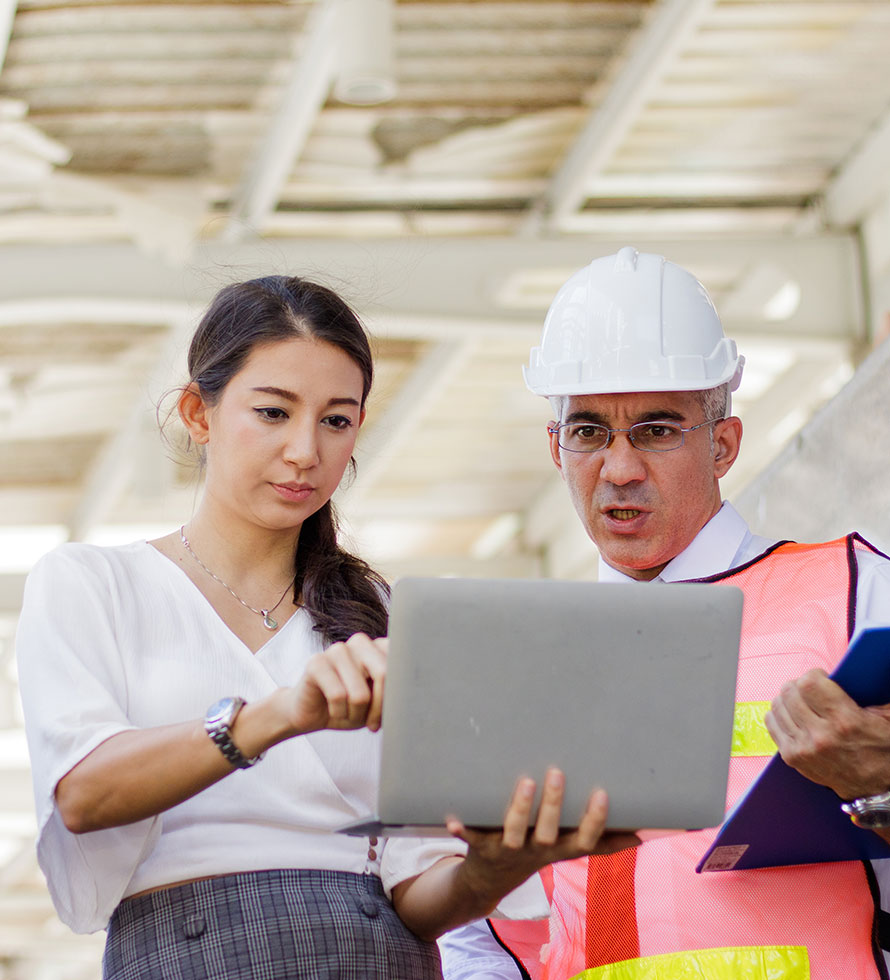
470,951
73,689
405,857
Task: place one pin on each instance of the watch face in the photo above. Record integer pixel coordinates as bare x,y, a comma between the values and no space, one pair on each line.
220,710
874,819
871,812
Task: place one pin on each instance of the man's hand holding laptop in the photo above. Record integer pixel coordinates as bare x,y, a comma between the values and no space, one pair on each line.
521,848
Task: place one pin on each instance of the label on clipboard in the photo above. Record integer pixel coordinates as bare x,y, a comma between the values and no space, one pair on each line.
724,858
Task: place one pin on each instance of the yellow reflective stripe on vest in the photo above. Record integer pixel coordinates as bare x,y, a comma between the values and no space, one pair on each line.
749,734
748,962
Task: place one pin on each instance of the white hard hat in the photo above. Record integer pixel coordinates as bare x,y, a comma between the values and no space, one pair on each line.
632,322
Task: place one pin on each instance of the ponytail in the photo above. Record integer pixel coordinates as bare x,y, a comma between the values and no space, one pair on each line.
340,591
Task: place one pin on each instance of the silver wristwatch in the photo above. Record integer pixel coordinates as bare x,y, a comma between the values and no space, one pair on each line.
872,812
217,723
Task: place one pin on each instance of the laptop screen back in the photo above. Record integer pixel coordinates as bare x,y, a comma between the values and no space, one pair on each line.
627,687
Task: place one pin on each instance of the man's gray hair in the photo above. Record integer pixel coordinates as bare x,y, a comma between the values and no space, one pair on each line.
715,404
715,401
557,405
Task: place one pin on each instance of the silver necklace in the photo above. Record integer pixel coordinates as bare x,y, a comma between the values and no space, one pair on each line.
268,621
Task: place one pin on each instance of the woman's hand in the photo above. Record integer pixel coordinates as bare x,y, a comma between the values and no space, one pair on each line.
501,860
130,776
342,687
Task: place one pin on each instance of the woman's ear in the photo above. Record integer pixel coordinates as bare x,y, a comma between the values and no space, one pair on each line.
193,412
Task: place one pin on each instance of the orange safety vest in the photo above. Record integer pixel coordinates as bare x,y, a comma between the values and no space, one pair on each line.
644,914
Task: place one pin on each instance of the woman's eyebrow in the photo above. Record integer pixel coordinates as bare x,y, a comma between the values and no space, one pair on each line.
293,397
280,392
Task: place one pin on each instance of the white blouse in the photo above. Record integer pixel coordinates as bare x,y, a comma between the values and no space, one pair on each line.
112,639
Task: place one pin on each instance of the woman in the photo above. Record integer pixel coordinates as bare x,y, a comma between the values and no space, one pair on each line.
204,856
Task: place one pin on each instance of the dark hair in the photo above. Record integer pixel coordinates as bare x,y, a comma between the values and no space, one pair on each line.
342,593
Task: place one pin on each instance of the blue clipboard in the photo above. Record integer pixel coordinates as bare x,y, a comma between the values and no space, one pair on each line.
784,818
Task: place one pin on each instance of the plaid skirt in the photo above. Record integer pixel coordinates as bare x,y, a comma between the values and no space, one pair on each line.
267,925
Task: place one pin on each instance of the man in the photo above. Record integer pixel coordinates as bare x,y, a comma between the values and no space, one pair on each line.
639,374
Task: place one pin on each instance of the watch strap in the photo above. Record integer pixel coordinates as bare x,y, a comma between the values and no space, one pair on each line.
218,726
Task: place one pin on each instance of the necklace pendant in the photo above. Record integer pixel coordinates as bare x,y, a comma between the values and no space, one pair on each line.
268,622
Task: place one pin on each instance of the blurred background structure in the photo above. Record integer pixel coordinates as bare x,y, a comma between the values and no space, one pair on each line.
446,166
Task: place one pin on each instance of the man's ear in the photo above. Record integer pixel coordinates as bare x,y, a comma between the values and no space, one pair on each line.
193,412
554,447
727,440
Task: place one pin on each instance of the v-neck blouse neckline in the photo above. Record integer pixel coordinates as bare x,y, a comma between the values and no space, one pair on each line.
206,603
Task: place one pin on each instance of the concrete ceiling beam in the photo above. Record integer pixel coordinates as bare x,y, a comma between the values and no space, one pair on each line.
863,181
7,18
656,45
111,472
404,413
312,75
401,282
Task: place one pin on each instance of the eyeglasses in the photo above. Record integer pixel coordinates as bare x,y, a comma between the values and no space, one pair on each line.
651,437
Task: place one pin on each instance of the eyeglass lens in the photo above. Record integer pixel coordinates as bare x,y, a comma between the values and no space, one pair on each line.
653,437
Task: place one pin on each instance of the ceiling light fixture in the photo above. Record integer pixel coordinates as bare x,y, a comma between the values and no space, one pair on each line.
366,29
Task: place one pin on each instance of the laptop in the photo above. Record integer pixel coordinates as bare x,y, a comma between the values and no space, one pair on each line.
630,687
